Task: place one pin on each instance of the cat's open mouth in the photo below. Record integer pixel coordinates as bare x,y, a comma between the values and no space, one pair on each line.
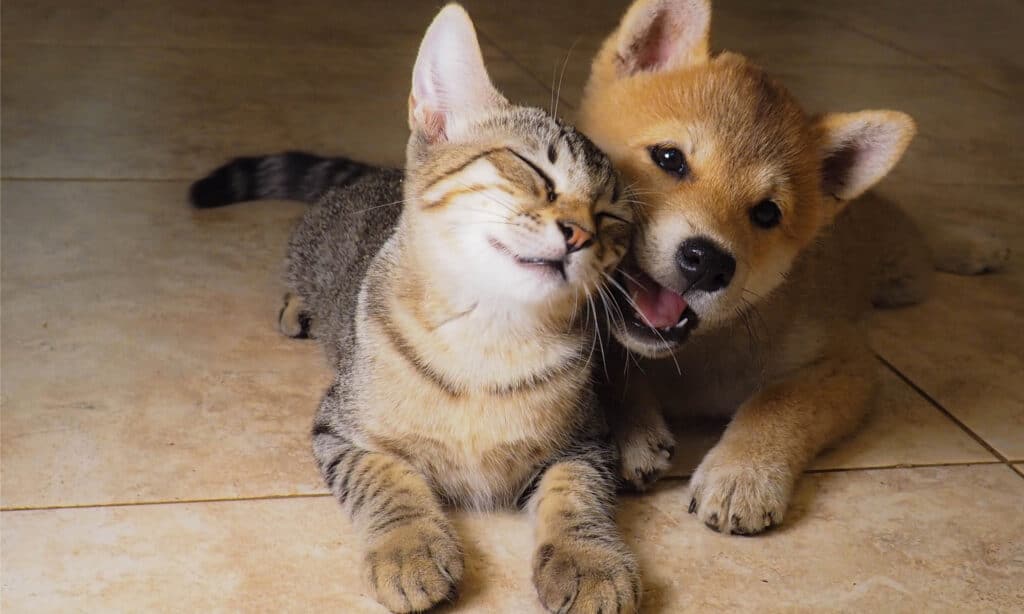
654,312
543,265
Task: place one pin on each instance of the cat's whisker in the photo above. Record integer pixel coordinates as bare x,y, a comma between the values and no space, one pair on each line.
633,304
554,76
609,301
597,336
608,318
381,206
575,307
593,342
489,213
483,192
558,93
629,277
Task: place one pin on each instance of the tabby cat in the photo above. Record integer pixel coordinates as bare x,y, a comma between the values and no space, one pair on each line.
457,327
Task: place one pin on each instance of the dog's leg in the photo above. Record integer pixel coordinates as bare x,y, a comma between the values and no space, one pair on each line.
743,485
646,445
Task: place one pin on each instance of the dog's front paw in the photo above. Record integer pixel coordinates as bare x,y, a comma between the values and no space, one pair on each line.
645,453
584,576
731,494
414,567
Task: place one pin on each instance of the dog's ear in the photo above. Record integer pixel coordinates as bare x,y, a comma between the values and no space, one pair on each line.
659,35
449,80
859,149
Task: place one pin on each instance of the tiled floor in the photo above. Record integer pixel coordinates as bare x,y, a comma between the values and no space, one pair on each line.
154,451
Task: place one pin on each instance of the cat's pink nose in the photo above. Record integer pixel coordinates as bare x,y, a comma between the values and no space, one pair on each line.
576,238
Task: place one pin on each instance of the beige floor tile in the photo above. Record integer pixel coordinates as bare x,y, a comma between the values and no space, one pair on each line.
540,36
963,345
963,348
197,23
963,131
140,356
979,40
994,210
159,113
901,430
164,272
926,539
964,128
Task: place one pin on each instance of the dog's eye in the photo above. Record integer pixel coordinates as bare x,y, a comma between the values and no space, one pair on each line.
670,160
766,214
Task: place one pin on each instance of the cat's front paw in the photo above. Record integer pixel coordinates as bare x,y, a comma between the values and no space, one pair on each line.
645,453
414,567
581,576
293,320
743,496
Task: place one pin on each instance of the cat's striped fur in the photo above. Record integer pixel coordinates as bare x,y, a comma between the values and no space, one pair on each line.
292,175
451,302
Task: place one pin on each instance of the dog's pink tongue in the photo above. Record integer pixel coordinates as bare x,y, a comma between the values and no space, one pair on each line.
658,305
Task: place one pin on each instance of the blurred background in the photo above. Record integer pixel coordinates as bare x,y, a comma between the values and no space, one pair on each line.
154,424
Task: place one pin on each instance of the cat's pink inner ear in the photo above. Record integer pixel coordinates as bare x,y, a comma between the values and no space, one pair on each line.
449,79
428,122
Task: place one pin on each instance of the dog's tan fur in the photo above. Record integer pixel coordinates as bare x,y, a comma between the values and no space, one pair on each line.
781,349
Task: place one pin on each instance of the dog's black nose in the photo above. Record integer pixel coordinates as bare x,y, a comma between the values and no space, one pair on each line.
705,265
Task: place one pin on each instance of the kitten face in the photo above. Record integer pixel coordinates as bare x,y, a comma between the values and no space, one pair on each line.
505,200
521,208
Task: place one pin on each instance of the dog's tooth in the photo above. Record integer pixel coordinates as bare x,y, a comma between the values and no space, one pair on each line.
682,323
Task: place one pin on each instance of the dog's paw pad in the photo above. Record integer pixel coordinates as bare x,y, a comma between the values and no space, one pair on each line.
739,498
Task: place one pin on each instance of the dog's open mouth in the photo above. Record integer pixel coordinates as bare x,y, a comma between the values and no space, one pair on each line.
655,312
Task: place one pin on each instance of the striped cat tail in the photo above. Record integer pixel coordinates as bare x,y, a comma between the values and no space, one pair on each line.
292,175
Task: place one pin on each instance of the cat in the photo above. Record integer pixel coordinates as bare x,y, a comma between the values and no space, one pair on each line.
450,300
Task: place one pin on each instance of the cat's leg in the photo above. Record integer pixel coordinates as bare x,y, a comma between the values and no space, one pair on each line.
293,320
581,564
413,557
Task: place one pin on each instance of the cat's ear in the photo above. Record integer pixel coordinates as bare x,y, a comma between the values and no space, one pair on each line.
859,149
658,35
449,81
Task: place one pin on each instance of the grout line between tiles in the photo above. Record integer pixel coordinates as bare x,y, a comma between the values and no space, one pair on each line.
185,47
100,179
160,502
934,403
921,58
669,478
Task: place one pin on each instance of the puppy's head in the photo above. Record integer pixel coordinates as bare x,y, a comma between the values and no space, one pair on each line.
731,179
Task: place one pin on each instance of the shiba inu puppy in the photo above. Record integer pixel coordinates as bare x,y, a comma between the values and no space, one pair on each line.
752,266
